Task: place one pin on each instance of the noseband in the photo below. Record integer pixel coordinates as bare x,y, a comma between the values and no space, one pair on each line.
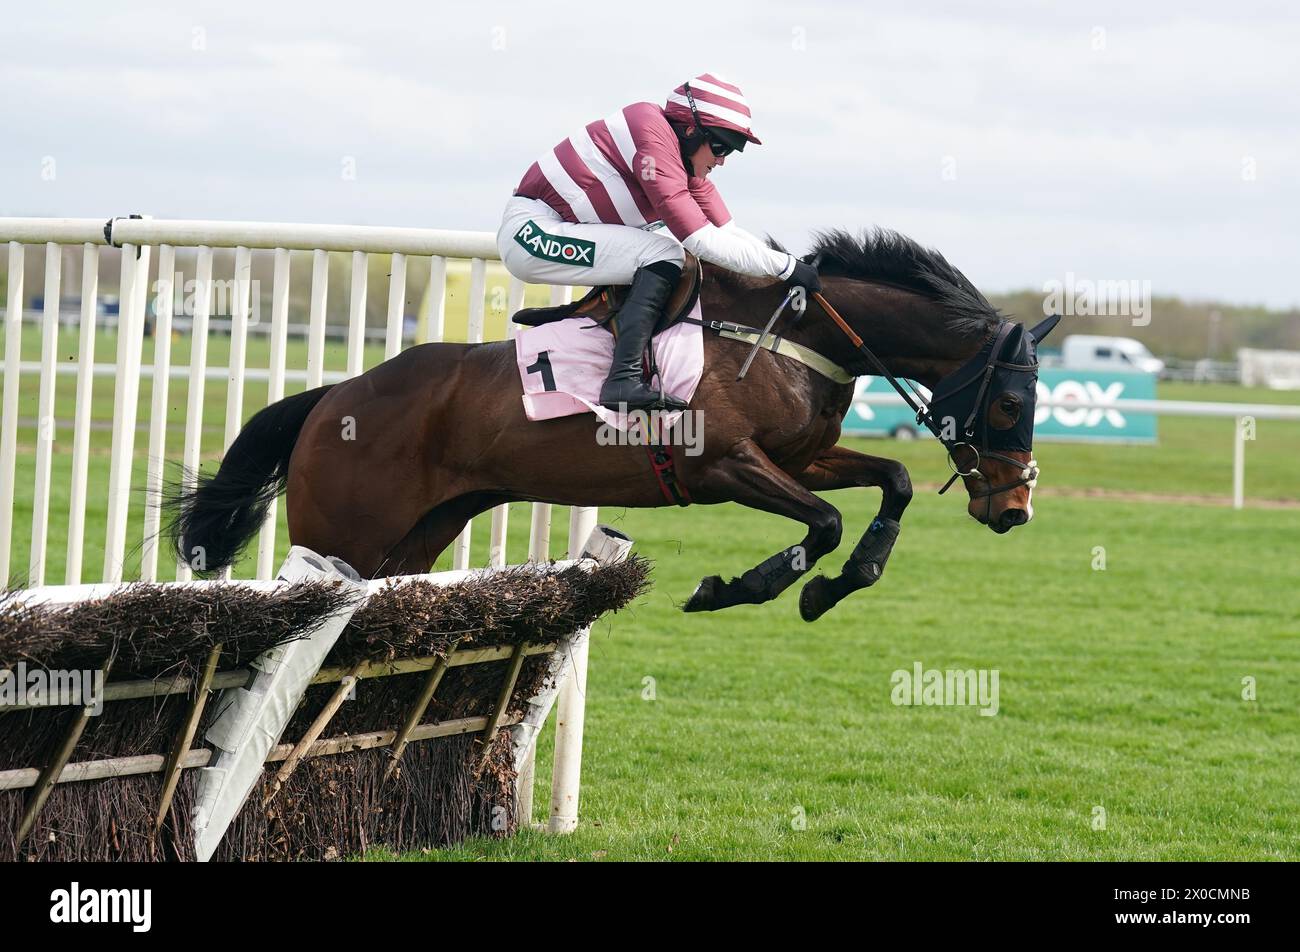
976,421
1028,476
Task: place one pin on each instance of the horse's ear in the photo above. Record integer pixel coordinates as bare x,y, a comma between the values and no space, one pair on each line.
1044,328
1014,341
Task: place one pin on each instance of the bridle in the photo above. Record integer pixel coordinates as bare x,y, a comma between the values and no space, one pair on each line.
978,417
975,427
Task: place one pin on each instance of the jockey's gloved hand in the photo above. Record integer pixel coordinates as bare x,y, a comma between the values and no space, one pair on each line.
805,276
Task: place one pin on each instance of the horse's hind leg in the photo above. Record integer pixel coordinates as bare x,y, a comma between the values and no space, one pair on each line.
840,468
437,529
747,476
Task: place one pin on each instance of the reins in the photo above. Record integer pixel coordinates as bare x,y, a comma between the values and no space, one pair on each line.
1029,472
924,417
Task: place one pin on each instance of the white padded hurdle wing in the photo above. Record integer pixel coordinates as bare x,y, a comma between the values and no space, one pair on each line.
251,719
604,546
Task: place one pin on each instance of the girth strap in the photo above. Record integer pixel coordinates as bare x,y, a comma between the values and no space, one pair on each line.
777,345
662,462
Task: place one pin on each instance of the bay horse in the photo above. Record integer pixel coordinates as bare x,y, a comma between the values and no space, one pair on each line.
385,469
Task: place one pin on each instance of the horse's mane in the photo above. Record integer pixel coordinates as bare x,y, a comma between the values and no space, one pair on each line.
891,258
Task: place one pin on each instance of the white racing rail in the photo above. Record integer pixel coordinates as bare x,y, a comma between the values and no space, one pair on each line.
140,240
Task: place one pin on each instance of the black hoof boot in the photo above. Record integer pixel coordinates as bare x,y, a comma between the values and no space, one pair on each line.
713,594
867,561
862,570
705,597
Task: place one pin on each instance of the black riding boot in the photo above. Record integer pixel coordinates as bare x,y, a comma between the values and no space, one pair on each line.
635,321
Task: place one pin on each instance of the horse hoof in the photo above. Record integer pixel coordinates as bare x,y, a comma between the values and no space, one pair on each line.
815,598
705,597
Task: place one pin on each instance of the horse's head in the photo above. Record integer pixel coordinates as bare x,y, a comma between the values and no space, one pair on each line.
985,411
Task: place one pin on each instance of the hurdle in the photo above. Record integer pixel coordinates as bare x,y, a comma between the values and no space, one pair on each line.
161,250
537,619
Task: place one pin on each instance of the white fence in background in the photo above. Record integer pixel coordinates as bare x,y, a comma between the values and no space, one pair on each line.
70,317
140,240
1244,413
1203,370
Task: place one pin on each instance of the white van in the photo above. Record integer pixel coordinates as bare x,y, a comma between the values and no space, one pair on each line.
1086,352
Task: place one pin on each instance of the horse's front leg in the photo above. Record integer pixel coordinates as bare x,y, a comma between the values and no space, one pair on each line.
840,468
747,476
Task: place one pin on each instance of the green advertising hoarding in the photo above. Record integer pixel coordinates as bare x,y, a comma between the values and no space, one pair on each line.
1103,424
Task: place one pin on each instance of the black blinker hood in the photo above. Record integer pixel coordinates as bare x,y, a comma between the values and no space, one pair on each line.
1008,362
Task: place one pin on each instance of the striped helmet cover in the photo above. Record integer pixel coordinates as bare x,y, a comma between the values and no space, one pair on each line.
719,103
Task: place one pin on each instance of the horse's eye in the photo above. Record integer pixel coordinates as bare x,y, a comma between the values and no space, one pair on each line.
1005,412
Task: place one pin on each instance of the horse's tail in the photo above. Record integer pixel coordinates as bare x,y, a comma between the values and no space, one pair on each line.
212,521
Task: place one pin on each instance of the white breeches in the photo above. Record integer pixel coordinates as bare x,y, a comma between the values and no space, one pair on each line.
537,246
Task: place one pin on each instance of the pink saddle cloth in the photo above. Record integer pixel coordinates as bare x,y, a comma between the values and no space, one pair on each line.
563,364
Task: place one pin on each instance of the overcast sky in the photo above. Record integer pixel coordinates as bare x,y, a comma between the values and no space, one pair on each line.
1151,141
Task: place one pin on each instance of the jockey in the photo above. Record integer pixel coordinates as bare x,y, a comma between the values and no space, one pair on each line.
583,214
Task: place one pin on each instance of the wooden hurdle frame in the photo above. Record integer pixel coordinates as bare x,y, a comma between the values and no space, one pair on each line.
182,755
